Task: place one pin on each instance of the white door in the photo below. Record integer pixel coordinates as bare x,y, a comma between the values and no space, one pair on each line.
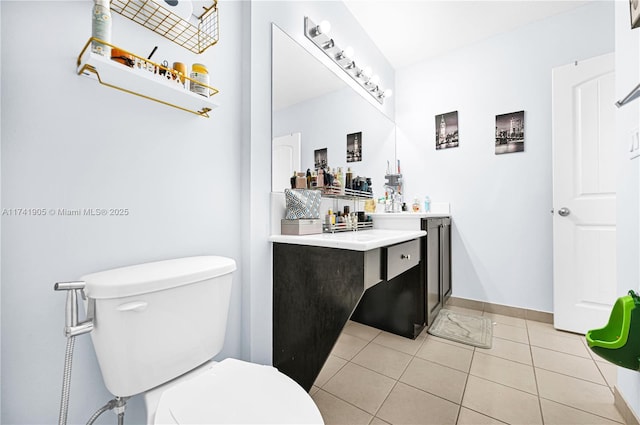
584,197
285,159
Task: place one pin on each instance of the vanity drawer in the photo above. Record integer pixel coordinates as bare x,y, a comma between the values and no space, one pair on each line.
401,257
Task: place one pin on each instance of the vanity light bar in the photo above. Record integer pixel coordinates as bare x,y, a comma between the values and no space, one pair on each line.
317,33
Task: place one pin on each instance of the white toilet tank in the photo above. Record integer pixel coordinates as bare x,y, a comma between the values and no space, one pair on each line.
156,321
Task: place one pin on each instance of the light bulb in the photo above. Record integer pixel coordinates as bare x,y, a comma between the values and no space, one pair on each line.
375,80
388,93
348,52
323,28
367,71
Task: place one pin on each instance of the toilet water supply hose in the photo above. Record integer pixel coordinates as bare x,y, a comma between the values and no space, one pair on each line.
66,381
73,328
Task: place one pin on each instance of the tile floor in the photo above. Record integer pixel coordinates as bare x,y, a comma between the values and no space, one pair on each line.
533,374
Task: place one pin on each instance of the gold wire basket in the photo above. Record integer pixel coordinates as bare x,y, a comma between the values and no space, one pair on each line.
151,15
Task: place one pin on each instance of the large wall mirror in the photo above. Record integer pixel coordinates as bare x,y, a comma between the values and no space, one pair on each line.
313,110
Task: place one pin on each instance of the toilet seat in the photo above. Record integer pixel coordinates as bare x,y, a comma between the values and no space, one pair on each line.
237,392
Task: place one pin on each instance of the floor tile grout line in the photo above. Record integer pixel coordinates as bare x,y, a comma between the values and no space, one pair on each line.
334,374
346,401
581,410
575,377
535,379
398,380
364,367
506,385
561,352
464,390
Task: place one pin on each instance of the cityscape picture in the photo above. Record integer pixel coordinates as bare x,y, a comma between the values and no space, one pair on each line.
354,147
510,132
447,130
320,158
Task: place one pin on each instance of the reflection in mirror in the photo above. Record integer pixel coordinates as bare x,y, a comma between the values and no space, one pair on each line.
313,106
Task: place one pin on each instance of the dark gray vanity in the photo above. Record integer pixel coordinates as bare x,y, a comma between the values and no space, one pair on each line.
394,280
316,289
405,304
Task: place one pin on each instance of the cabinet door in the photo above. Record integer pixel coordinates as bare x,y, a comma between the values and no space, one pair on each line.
433,263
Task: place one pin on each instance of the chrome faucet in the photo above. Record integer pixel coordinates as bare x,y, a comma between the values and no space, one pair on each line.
72,326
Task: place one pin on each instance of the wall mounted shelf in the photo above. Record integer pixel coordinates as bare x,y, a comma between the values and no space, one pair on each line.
151,15
145,79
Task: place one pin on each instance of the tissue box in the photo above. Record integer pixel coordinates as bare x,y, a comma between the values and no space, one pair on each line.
302,226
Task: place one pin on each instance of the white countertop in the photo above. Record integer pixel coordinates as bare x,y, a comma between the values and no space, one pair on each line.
406,215
362,240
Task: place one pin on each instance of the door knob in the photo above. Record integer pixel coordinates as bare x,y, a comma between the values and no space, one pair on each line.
564,211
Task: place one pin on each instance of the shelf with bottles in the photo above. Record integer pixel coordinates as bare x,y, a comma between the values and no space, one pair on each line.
339,192
196,34
136,75
345,227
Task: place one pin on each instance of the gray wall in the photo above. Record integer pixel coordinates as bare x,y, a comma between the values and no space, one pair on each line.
68,142
502,234
628,180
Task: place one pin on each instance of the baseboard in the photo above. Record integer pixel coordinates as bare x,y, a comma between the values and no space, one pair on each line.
623,407
505,310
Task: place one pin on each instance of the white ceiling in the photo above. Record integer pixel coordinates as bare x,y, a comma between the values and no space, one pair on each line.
408,32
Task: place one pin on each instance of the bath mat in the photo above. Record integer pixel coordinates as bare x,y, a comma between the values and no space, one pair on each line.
464,328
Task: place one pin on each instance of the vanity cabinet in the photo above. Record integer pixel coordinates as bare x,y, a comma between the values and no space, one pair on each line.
406,302
318,281
397,304
315,290
436,273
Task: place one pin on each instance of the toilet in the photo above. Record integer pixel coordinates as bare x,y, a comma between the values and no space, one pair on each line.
158,326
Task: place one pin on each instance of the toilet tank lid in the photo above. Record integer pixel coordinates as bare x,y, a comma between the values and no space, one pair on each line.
156,276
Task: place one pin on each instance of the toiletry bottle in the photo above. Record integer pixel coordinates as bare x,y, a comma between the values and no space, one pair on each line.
320,180
314,180
308,178
427,204
328,178
101,27
340,176
348,179
293,180
416,204
199,74
301,181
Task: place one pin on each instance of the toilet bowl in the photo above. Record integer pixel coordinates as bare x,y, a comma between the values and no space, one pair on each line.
157,329
232,392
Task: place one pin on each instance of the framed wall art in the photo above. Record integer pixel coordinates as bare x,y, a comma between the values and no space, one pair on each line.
354,147
634,10
320,158
447,130
510,132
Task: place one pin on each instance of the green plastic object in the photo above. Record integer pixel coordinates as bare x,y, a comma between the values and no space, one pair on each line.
619,341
